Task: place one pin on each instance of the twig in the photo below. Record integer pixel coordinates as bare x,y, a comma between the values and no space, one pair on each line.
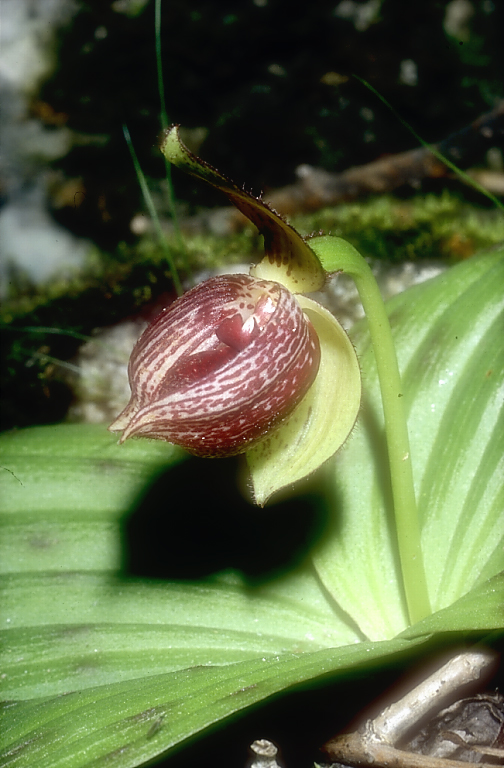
318,188
374,743
264,754
430,694
361,749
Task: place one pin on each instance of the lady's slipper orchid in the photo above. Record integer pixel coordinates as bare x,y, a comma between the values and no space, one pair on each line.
221,367
239,364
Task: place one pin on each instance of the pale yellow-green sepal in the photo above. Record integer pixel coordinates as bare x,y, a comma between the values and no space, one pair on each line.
289,260
321,422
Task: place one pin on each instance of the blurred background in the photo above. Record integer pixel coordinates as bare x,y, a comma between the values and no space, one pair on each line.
263,90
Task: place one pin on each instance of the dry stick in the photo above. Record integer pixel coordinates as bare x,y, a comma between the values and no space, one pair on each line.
318,188
430,694
355,749
265,754
374,744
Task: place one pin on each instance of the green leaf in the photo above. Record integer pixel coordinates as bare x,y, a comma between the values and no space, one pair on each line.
448,334
101,669
80,629
130,722
479,609
67,472
289,260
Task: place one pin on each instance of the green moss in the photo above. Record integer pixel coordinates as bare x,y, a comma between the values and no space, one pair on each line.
202,251
44,325
119,285
426,226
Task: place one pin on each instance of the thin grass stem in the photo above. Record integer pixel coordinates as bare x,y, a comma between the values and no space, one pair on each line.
153,213
165,124
433,150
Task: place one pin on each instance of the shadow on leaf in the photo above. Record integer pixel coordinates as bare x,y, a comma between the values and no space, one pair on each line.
193,521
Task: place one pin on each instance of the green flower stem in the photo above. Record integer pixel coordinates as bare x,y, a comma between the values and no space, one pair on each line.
338,255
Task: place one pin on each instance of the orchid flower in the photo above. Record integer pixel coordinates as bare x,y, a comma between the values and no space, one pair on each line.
246,363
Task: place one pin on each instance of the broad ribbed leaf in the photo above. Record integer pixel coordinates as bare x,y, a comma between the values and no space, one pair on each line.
449,338
144,664
127,723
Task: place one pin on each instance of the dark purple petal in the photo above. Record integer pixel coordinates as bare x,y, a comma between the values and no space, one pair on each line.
221,367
